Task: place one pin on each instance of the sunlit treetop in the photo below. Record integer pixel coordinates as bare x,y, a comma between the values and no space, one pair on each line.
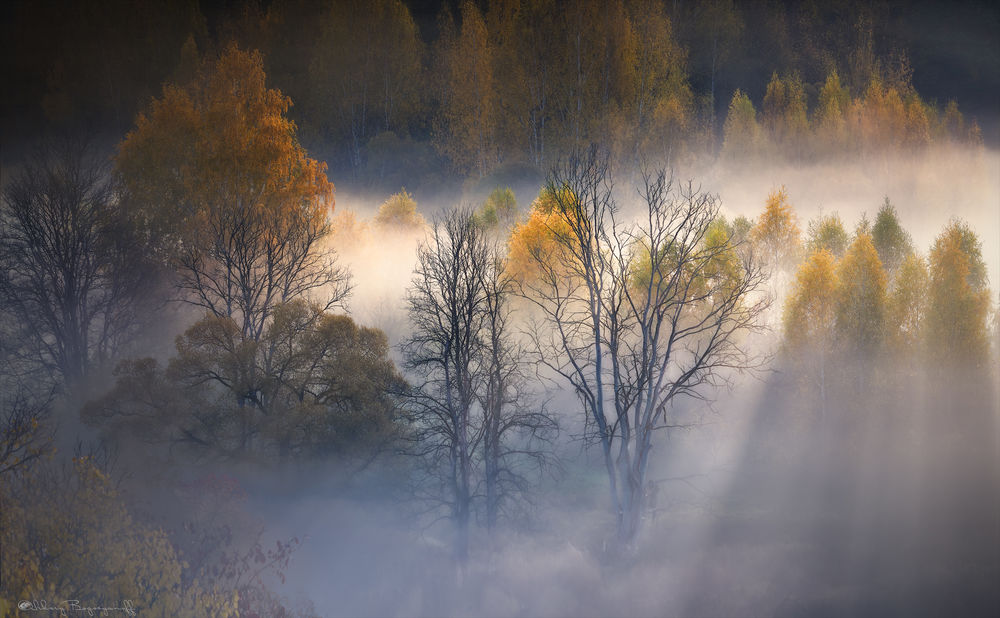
861,297
777,231
535,241
810,308
399,213
959,298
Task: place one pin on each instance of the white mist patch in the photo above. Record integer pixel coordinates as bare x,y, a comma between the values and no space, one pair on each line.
928,188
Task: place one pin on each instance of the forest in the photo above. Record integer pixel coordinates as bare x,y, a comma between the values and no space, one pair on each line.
499,308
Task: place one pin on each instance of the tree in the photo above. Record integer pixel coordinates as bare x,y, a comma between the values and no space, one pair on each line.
314,385
810,312
776,233
470,400
891,241
831,113
861,299
25,431
76,278
958,299
467,122
784,111
720,25
639,314
365,74
907,305
499,210
741,132
827,232
534,241
399,213
215,167
655,93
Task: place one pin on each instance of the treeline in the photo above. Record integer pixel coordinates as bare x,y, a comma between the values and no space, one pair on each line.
477,86
888,116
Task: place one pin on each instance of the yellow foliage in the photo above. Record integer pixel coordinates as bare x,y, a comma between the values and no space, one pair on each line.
810,309
906,304
399,213
861,297
959,298
536,241
777,231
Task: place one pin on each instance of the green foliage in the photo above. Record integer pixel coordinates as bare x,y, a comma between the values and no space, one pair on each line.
891,241
315,384
499,209
827,233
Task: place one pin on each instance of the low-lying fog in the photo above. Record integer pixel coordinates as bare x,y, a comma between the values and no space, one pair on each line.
760,510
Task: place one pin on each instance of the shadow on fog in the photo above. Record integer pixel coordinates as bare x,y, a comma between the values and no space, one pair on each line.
887,507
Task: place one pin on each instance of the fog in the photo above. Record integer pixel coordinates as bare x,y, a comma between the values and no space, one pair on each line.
890,508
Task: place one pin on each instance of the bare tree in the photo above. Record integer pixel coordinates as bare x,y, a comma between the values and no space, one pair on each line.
471,401
75,275
516,428
640,313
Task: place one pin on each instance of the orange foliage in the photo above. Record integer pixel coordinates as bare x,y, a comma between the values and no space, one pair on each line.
221,143
535,242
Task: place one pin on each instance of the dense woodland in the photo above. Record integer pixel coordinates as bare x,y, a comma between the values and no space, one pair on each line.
177,278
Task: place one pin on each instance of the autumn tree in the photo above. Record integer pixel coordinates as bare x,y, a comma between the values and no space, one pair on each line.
655,91
215,168
830,120
777,235
639,314
861,300
809,317
534,240
77,278
529,52
717,27
784,112
466,131
958,299
399,213
906,307
69,535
